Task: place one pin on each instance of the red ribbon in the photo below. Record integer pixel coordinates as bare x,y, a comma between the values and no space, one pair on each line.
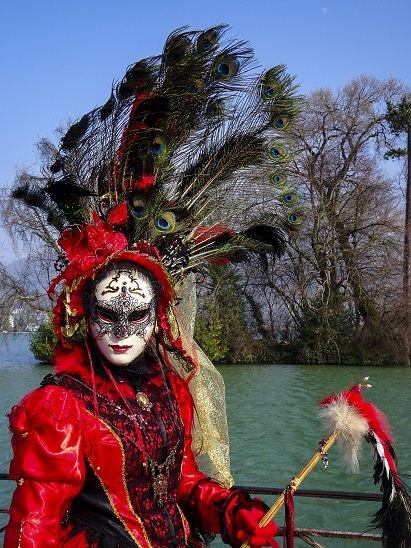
288,540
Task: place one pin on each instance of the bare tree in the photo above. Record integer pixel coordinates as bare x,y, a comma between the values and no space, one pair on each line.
342,274
23,285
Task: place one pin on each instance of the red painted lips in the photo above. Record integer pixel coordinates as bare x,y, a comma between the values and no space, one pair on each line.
119,349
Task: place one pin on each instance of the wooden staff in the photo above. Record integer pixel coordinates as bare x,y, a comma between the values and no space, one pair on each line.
296,481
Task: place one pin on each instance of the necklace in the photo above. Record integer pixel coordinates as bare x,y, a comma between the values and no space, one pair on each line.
159,474
159,471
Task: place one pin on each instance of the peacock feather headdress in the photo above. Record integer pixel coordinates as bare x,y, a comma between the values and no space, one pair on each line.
192,147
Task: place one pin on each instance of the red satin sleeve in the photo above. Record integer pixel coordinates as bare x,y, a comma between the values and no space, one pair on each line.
48,444
198,496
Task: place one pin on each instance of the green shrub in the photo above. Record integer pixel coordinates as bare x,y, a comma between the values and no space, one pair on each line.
43,342
209,338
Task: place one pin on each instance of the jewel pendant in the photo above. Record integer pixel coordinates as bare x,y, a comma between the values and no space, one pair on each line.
160,485
143,401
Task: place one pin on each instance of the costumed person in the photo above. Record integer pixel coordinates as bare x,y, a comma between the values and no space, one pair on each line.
185,165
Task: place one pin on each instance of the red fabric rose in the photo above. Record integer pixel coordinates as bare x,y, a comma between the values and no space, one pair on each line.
90,246
74,242
119,215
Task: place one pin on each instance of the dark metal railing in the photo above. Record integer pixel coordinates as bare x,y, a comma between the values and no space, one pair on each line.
306,534
302,533
315,493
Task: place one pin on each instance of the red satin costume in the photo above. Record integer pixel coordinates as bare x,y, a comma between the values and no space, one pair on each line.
80,477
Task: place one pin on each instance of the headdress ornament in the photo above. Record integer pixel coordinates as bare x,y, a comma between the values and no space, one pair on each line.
185,165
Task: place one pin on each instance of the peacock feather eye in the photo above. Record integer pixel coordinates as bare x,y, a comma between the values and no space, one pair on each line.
75,133
281,122
141,73
269,88
289,197
142,146
138,77
158,147
269,91
264,248
196,87
271,82
214,109
277,152
227,67
107,108
238,255
139,208
207,40
150,146
295,219
126,89
278,179
178,49
57,166
166,222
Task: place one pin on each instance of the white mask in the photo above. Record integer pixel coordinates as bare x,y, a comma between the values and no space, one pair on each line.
122,316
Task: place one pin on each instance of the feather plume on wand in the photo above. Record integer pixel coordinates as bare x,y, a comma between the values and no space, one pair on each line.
351,420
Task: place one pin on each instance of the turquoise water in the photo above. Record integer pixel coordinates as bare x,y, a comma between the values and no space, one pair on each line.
274,430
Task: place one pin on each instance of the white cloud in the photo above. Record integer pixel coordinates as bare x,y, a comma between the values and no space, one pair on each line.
324,10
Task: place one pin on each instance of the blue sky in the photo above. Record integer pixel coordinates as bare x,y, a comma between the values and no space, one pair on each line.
58,59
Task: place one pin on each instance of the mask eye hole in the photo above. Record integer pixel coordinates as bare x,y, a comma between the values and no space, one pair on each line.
106,315
139,316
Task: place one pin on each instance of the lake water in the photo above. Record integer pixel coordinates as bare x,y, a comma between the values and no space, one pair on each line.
274,430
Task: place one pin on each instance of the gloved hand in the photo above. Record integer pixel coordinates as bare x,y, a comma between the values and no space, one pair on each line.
240,522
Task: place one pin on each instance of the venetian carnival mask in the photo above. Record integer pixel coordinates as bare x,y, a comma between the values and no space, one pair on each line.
122,315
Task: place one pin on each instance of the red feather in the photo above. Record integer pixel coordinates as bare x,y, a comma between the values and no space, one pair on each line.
377,422
394,517
376,419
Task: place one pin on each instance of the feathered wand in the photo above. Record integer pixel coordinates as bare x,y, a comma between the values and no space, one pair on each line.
351,419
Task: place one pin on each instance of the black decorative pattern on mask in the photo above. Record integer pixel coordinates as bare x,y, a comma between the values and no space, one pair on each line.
122,316
135,289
